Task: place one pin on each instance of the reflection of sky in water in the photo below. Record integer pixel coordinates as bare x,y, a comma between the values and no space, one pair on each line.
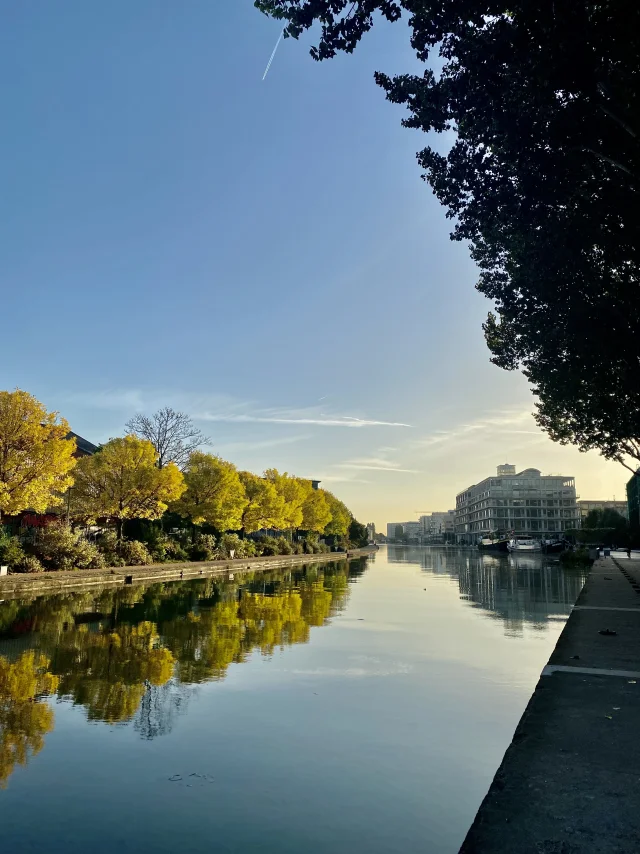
302,711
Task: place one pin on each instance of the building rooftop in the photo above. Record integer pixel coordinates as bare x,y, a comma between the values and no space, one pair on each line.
83,445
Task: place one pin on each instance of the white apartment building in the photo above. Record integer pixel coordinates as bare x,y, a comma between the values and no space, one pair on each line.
524,504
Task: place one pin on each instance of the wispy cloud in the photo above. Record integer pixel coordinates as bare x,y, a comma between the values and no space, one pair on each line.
232,447
221,408
374,467
342,478
319,421
378,463
502,423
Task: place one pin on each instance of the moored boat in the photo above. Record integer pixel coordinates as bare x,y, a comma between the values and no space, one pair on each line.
493,544
550,547
524,544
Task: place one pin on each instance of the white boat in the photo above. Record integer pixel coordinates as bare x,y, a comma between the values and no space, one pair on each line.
524,544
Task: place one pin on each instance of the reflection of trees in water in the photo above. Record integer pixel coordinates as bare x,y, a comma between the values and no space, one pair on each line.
24,718
106,671
517,589
159,707
267,611
134,653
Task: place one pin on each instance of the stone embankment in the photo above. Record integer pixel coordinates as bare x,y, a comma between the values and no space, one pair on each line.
19,586
570,781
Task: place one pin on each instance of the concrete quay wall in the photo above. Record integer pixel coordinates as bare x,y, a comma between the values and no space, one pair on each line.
569,782
26,585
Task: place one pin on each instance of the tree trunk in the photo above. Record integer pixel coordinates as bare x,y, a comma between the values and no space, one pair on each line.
120,523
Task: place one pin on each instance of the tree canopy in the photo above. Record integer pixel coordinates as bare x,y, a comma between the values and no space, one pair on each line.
340,516
293,492
316,513
36,458
265,505
541,180
605,526
214,493
122,481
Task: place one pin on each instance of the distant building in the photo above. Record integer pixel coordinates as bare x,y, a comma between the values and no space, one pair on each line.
412,530
586,505
371,531
633,499
84,448
436,525
527,504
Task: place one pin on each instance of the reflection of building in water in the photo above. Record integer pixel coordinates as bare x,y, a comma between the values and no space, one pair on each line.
521,591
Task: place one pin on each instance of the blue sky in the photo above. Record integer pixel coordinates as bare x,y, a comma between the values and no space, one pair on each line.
262,255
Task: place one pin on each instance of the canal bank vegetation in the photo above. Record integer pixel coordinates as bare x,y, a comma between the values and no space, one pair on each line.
541,181
133,502
608,528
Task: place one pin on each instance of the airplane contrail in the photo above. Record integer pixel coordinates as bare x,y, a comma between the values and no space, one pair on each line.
266,71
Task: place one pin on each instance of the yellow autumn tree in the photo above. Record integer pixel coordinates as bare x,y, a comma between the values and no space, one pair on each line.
265,507
293,492
214,493
340,516
316,513
122,481
36,458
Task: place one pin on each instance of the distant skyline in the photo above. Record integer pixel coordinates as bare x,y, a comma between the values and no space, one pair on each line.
261,255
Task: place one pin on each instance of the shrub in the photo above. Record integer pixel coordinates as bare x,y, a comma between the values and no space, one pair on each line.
284,546
123,552
11,552
204,548
174,550
28,563
163,548
107,542
248,548
233,543
267,546
298,549
60,548
575,557
134,553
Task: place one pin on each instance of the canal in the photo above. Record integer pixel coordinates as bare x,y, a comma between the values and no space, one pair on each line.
331,708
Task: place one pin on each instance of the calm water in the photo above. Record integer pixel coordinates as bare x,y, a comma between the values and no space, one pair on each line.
327,709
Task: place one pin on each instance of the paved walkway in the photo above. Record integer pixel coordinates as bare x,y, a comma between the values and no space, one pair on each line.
570,781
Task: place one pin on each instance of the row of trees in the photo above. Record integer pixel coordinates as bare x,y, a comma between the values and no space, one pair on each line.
542,181
607,527
145,476
123,481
